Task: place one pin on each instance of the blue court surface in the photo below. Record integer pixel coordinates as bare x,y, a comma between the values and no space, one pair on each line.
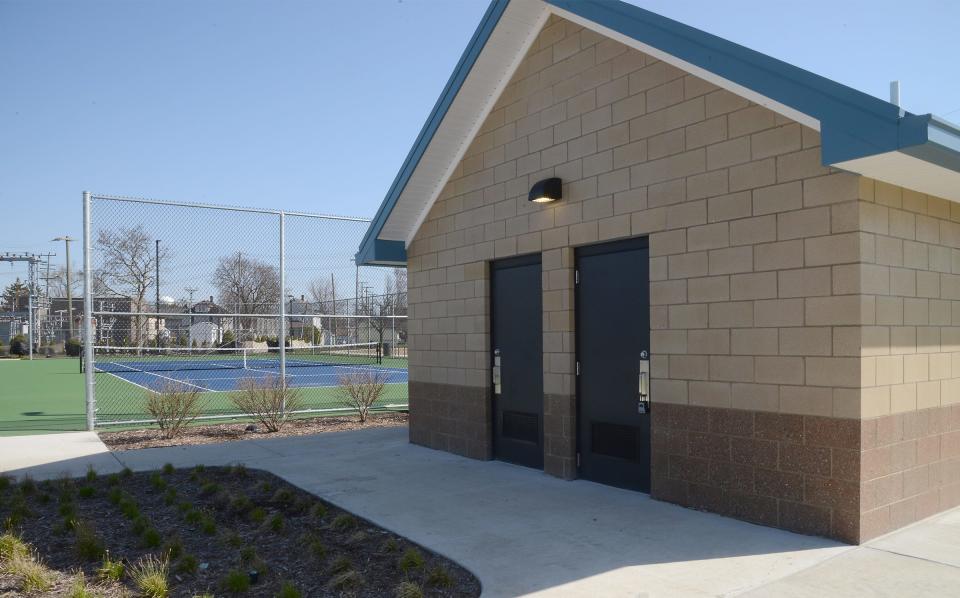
209,377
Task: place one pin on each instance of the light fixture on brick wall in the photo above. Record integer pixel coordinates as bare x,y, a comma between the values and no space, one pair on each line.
546,191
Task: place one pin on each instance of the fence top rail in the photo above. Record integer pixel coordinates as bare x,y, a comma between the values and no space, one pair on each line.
200,316
209,206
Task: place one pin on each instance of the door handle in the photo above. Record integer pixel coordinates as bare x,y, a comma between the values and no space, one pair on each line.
497,388
643,384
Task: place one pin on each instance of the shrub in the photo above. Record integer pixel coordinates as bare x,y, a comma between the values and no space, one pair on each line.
79,589
113,480
115,495
174,408
5,483
67,510
167,468
33,574
258,515
360,390
269,400
236,582
140,525
110,570
91,474
151,538
390,545
240,504
170,496
173,548
344,521
276,522
73,347
439,577
283,496
18,345
28,486
340,564
149,574
209,488
239,470
318,510
407,589
317,549
87,543
187,564
129,508
208,526
287,590
12,546
410,559
126,473
357,537
185,507
347,580
157,481
247,555
86,492
193,517
233,539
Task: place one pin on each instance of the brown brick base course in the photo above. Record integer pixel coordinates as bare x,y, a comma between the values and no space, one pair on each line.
560,436
451,418
794,472
910,468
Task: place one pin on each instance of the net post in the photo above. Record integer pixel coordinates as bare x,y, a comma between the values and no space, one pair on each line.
282,335
89,387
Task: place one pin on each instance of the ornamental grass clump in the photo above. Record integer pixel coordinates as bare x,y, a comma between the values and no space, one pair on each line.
150,575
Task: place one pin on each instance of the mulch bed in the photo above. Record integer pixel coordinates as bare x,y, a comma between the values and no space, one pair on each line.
216,521
208,434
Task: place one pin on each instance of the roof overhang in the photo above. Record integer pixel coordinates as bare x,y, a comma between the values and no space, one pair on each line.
859,132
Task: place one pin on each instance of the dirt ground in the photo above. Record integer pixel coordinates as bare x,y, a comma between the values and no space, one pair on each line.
208,434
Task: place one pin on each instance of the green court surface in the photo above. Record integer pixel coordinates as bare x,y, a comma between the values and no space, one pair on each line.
46,395
43,395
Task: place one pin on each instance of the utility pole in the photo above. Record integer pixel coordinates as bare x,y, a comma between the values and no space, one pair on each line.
156,326
66,241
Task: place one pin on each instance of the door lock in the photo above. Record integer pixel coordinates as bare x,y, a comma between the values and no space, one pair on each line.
643,384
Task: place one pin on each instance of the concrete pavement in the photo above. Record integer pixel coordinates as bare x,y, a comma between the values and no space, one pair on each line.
46,456
525,533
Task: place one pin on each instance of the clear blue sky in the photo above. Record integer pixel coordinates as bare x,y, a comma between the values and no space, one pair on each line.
312,105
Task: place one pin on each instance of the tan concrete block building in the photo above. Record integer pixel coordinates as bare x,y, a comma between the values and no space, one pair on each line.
644,255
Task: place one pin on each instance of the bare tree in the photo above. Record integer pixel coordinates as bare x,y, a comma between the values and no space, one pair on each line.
128,269
58,282
248,286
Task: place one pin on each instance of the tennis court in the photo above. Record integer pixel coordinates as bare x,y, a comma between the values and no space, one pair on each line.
124,376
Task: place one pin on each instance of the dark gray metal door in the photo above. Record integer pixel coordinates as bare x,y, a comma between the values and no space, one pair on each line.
613,344
517,360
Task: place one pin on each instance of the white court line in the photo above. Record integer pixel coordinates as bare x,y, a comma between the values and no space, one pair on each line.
158,376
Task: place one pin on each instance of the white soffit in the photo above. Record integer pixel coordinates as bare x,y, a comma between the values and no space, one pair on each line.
503,52
907,171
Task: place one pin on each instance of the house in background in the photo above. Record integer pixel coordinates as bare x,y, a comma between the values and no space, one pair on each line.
742,295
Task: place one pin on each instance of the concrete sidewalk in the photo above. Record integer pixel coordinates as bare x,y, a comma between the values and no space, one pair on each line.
523,532
44,456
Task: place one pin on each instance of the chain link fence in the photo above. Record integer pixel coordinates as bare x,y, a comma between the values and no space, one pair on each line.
208,297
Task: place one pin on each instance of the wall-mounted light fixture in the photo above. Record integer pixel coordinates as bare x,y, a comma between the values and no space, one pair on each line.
546,191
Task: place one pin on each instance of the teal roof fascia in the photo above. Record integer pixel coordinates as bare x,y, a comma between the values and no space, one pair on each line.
853,124
369,249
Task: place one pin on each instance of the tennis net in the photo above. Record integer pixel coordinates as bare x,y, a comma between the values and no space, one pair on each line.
167,359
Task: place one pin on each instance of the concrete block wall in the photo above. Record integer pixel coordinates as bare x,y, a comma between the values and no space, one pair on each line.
762,282
910,277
